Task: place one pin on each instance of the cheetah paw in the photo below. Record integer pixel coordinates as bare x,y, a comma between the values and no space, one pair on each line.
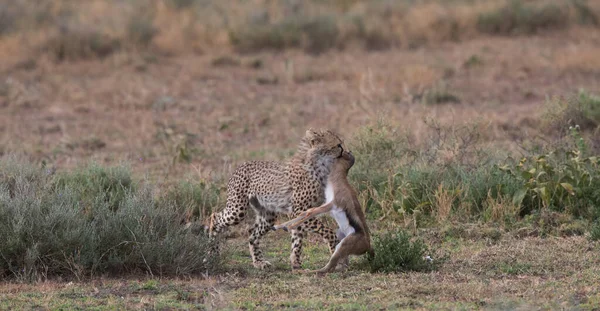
296,267
262,265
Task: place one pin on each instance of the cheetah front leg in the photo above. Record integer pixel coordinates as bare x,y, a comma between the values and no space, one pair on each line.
295,256
263,224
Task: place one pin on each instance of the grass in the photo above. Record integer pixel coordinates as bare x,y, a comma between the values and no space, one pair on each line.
514,272
411,187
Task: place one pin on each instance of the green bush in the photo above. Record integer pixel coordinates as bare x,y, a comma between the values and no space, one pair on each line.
94,185
91,222
561,181
195,200
399,181
395,178
439,94
395,252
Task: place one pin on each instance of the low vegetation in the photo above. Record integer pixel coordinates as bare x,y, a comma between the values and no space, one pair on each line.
96,221
396,252
454,178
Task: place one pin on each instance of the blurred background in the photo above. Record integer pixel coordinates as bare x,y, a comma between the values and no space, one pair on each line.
179,86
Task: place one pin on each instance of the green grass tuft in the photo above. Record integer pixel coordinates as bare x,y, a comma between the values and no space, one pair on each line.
395,252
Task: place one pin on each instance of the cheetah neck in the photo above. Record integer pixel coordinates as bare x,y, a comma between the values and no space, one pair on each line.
319,168
316,166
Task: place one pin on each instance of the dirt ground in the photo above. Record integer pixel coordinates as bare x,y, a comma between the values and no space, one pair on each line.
218,110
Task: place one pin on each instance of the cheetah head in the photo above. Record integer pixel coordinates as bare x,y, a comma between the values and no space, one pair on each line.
324,143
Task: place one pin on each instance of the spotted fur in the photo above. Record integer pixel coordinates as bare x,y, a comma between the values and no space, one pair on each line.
272,188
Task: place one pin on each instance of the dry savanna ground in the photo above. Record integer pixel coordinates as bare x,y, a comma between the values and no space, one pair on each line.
174,110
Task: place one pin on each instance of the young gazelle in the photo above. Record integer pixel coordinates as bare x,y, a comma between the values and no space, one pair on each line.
342,203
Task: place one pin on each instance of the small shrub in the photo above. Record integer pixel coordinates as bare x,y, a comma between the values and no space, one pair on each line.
72,43
226,61
321,33
451,177
581,110
141,31
585,15
397,179
182,4
473,61
287,34
518,18
395,252
439,94
314,35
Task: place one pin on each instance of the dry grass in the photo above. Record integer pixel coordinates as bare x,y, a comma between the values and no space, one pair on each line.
579,59
510,274
501,209
444,199
67,30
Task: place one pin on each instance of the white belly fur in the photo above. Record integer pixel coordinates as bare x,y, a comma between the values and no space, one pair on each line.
337,213
342,221
328,193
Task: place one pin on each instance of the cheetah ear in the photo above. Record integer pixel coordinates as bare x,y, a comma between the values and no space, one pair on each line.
311,136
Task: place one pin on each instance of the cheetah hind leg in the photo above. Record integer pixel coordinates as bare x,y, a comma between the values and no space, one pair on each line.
263,224
261,227
316,226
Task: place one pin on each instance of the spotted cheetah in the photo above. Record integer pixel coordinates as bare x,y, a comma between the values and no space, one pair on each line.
272,188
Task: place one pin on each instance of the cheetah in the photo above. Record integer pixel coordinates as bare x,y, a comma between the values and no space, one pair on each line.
272,188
